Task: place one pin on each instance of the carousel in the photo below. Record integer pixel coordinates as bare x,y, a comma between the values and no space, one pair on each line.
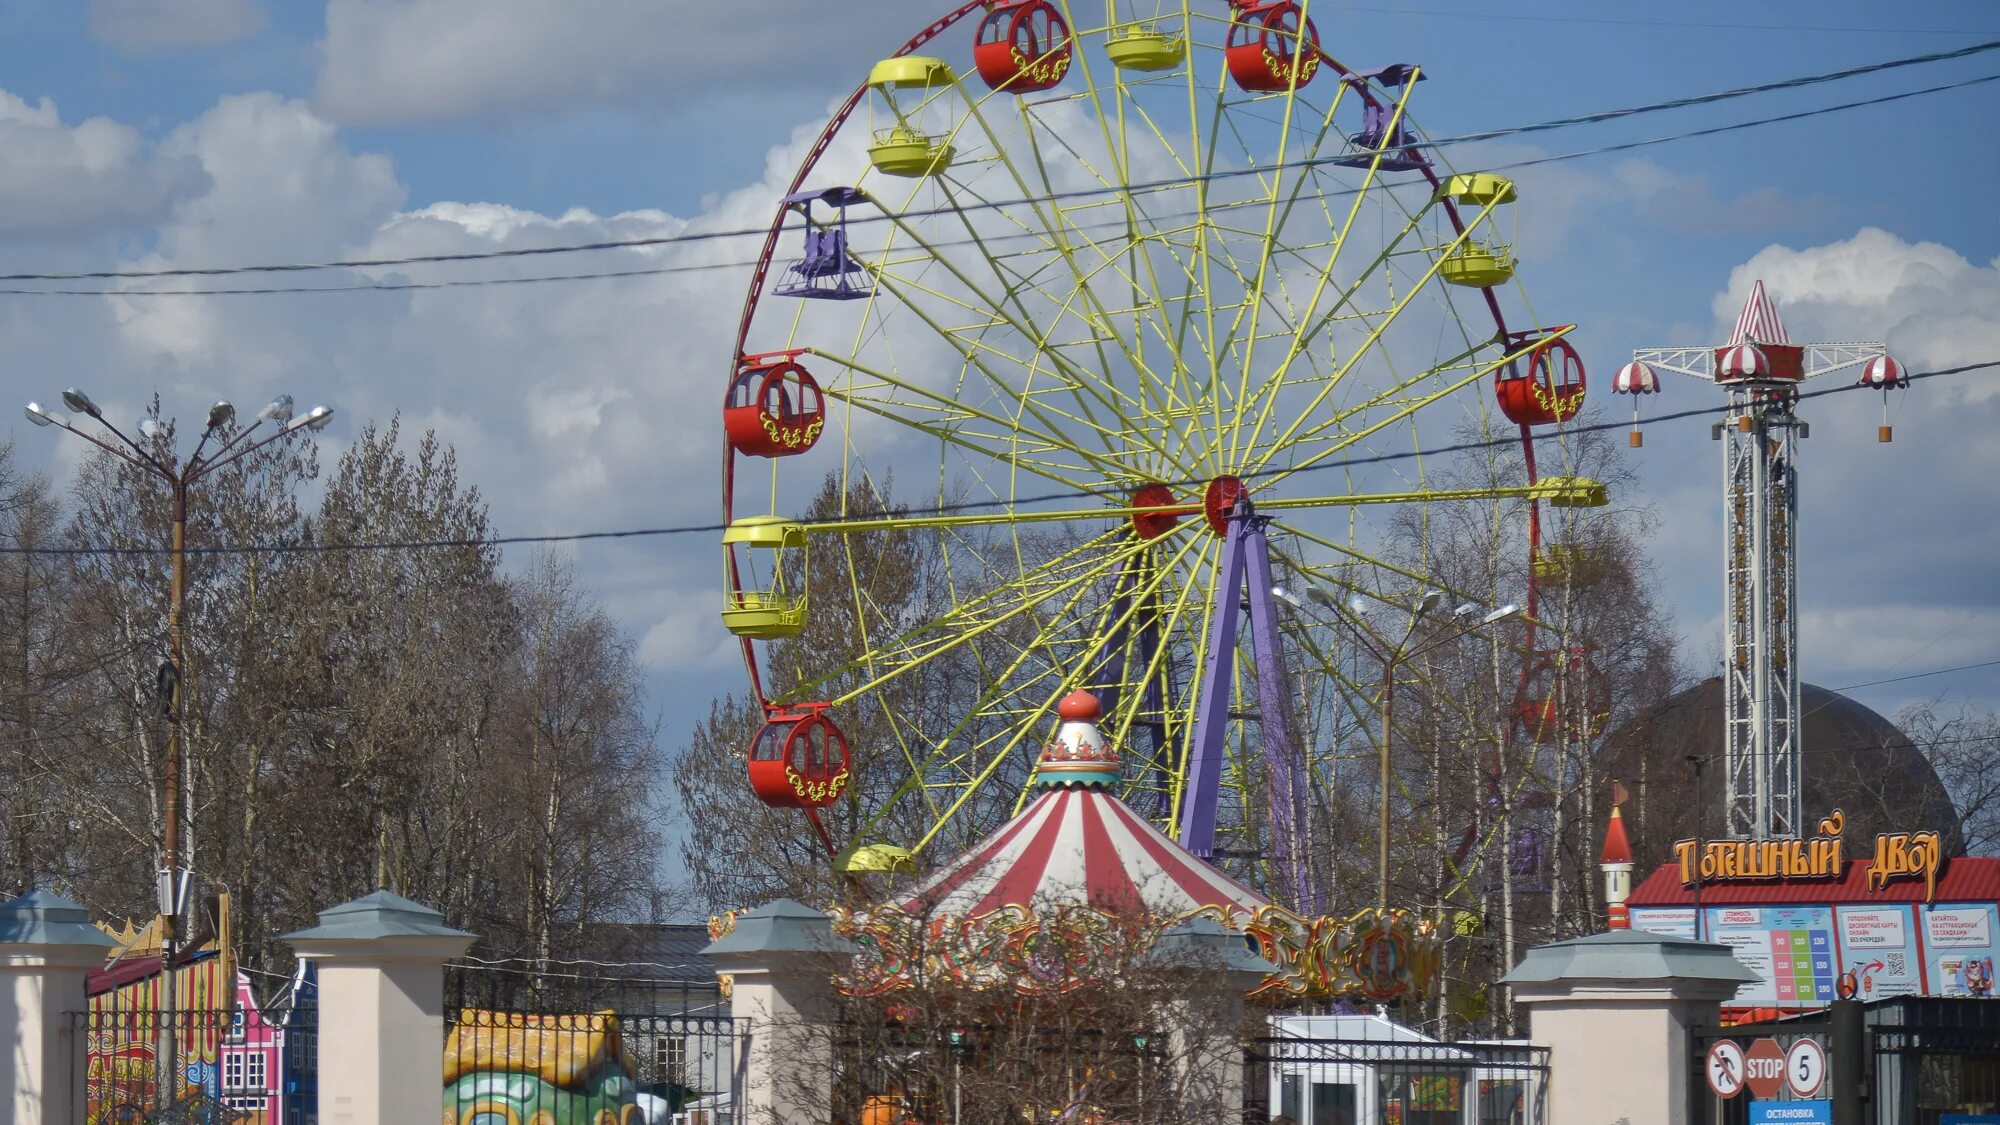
1078,876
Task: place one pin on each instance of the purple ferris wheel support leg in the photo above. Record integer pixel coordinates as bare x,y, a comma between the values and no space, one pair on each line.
1211,716
1284,778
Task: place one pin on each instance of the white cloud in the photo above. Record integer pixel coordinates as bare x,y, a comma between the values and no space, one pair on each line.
146,27
400,61
574,407
685,637
1932,306
60,182
1897,540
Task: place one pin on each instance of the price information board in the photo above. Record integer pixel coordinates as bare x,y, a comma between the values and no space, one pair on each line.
1789,948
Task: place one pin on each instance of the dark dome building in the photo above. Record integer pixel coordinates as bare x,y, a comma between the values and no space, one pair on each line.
1854,760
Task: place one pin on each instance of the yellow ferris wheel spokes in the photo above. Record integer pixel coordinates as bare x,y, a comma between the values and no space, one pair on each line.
1117,314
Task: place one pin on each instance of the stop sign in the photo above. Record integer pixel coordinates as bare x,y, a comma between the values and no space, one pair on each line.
1764,1068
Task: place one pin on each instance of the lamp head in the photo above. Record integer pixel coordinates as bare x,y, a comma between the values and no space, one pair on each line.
1501,614
316,418
1286,596
76,400
39,416
1323,596
151,428
1428,602
221,414
280,410
1465,610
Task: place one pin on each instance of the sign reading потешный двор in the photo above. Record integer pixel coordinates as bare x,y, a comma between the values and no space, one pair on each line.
1898,856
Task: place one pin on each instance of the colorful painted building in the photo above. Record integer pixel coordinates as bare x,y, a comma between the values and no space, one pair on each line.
237,1058
136,1012
268,1059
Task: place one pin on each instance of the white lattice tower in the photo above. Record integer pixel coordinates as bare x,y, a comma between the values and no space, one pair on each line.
1760,370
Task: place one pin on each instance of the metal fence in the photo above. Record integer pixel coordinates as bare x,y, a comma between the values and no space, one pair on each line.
1910,1060
587,1051
195,1067
1934,1056
1395,1082
480,985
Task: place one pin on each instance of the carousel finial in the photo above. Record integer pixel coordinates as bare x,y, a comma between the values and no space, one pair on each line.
1079,757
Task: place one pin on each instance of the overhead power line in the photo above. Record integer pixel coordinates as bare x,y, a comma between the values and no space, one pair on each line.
708,267
1027,502
682,237
1921,675
1788,28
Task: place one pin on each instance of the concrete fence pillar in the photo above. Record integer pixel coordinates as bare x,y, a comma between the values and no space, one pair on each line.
47,948
1206,1022
1614,1010
780,961
381,962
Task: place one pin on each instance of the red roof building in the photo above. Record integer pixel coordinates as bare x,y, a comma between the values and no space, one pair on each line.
1812,940
1966,879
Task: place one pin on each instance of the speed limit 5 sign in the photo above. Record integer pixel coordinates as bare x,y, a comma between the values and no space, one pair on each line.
1805,1067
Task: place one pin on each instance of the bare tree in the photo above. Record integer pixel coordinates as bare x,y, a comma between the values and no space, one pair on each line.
865,587
34,671
1962,744
1498,774
359,709
1108,1026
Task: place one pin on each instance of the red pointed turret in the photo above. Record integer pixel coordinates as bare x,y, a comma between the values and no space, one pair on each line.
1617,848
1616,863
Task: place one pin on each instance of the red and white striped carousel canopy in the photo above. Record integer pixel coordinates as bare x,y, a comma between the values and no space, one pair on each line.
1077,844
1080,846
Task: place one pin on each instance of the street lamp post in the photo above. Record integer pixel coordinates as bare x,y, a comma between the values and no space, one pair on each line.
181,481
1391,656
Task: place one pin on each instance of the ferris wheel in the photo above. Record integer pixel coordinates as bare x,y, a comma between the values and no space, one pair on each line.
1160,305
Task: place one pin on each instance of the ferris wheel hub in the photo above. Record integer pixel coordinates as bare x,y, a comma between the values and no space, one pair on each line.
1220,499
1152,525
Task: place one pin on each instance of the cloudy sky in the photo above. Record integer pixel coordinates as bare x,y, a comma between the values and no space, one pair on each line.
151,133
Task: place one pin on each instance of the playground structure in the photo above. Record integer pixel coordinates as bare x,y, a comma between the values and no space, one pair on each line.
1167,305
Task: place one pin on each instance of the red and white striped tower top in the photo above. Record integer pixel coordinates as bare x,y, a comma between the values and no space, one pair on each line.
1077,843
1759,323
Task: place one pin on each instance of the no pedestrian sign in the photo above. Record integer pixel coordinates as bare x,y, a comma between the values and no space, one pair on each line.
1792,1113
1724,1068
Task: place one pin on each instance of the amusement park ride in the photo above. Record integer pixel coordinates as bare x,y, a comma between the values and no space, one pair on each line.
1761,370
1138,288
